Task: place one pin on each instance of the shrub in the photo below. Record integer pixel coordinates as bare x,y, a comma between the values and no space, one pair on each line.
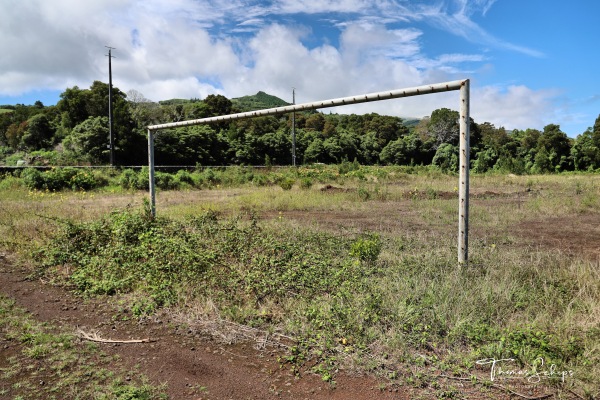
32,178
184,176
83,180
287,183
306,183
166,181
366,248
211,177
60,178
128,179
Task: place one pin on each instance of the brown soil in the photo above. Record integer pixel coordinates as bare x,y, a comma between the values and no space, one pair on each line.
575,235
183,359
186,360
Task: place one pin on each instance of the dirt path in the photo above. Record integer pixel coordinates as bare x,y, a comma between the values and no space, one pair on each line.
179,358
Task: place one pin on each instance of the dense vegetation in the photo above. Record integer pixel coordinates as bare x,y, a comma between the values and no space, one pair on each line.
75,132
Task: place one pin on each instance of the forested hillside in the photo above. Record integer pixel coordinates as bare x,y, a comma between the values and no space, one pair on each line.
75,132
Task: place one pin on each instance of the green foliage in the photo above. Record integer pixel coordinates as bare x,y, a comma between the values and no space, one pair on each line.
586,151
128,250
78,123
287,183
128,179
366,248
525,344
164,261
57,179
446,158
306,183
89,140
39,134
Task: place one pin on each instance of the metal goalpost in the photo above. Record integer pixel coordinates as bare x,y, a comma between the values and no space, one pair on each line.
463,181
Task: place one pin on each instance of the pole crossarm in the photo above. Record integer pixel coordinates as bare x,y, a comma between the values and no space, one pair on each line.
343,101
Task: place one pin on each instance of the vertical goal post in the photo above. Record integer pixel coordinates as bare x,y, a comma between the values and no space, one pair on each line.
464,148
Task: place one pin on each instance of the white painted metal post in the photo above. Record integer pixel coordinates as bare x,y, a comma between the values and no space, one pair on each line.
151,173
463,179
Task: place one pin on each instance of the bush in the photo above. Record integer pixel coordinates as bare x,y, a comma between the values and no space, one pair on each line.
142,181
60,178
128,179
366,248
211,177
83,180
166,181
306,183
184,176
32,178
287,183
260,180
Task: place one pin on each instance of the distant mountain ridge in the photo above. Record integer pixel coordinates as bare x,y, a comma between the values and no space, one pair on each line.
258,101
262,100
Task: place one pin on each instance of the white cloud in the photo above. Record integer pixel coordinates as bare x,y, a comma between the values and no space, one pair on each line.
180,48
366,40
514,107
322,6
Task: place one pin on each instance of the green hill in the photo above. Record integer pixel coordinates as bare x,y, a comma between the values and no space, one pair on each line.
411,122
174,102
259,101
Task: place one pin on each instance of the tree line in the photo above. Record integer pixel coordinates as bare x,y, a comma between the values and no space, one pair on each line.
75,131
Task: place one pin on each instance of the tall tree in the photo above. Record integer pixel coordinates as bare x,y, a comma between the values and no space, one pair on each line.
39,133
443,127
89,140
553,150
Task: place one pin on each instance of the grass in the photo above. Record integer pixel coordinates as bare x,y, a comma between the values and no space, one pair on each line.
378,290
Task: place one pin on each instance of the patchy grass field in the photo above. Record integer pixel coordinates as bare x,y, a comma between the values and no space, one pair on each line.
347,272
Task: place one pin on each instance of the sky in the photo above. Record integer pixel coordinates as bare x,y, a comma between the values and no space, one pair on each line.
531,62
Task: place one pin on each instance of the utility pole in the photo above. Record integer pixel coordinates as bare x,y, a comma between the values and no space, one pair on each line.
293,128
110,109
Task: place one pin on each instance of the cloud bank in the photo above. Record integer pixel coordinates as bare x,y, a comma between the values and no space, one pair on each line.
193,48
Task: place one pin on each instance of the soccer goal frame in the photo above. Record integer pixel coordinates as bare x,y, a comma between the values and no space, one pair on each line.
464,148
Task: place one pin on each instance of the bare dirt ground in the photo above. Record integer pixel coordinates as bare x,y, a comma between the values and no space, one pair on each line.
196,367
178,357
186,360
574,235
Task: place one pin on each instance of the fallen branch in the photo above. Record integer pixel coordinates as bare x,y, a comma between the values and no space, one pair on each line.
95,338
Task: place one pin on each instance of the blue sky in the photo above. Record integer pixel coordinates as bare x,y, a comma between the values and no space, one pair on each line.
531,62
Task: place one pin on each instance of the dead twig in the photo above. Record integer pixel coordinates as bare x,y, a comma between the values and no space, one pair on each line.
576,394
233,354
95,338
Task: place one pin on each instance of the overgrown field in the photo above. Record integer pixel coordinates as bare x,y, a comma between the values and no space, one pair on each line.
349,267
